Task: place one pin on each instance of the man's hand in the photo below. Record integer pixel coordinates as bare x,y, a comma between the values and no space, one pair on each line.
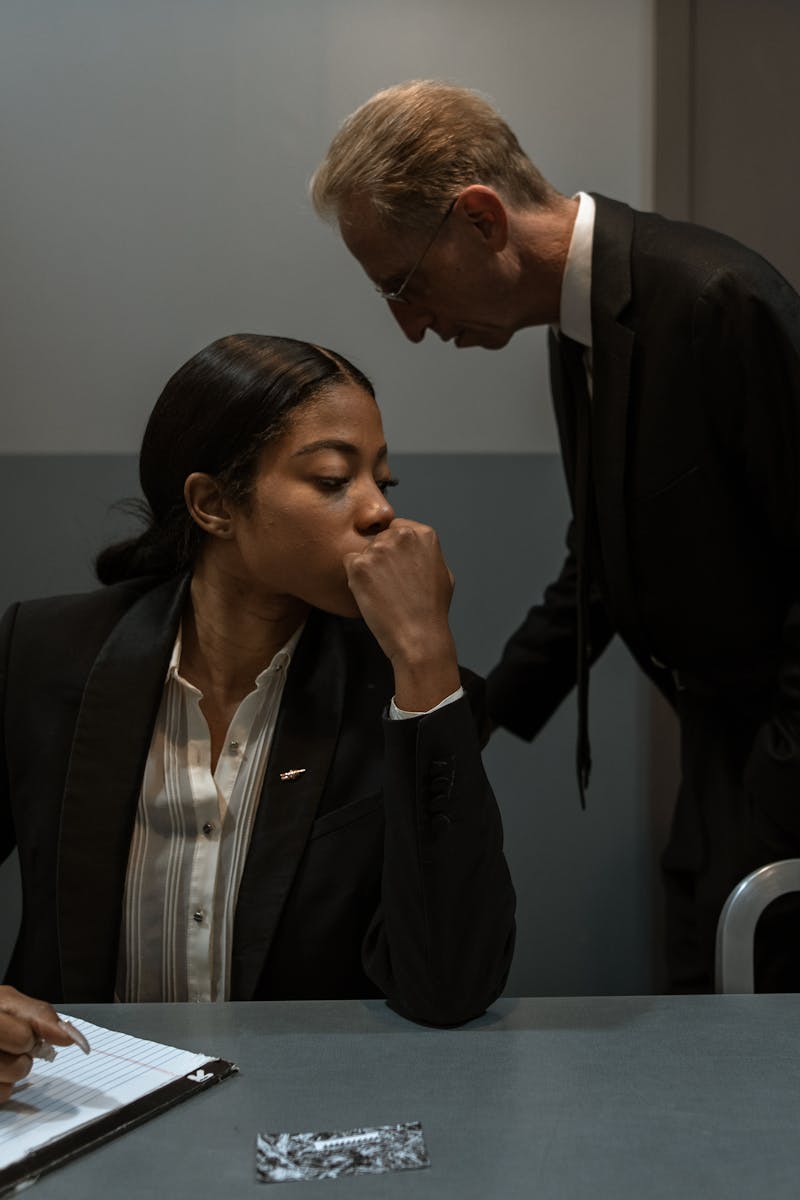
25,1024
403,588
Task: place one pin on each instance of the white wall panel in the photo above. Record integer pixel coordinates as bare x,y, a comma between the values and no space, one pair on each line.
155,160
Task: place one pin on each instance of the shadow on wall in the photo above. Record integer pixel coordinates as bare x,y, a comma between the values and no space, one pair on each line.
584,880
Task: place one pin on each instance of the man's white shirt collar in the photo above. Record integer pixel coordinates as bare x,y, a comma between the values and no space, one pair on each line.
575,315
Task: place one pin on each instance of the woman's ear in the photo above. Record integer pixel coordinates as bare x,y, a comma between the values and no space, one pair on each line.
207,505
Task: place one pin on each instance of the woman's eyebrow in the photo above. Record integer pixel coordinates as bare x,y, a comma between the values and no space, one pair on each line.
335,444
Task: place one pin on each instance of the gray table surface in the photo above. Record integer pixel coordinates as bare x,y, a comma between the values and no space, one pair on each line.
583,1097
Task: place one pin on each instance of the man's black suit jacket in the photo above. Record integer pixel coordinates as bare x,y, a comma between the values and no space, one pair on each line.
696,464
378,871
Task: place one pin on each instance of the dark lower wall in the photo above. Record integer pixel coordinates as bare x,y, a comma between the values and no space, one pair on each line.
584,880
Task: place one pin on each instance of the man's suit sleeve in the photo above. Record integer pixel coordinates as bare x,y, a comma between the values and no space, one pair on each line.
440,946
538,666
7,835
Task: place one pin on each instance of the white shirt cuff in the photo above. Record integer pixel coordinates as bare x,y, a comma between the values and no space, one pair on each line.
402,714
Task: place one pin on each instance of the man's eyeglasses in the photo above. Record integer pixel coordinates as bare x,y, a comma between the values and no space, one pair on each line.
397,296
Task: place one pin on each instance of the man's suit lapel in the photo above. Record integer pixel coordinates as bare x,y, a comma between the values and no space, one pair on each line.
612,351
564,408
305,740
109,750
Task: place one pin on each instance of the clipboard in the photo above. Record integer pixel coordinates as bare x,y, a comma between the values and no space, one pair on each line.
78,1102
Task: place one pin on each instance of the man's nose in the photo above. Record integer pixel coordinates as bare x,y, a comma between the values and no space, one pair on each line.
412,319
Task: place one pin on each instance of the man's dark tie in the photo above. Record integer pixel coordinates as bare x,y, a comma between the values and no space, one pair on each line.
572,355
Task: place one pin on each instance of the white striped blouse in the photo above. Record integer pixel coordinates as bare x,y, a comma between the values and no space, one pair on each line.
191,839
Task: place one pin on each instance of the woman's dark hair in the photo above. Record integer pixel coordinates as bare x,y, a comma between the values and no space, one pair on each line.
216,414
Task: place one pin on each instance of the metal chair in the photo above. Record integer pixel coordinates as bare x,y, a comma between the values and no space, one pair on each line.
737,922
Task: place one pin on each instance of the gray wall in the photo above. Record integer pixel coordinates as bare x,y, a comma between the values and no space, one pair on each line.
156,160
727,89
154,196
745,166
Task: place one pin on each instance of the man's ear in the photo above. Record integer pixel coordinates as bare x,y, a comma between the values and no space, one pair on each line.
484,209
207,505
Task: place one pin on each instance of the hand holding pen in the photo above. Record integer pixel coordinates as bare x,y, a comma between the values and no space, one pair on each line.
29,1029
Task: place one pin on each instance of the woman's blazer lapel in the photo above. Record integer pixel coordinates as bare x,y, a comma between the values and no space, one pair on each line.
297,771
109,749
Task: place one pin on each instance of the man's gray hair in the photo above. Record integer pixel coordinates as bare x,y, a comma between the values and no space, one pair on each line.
413,147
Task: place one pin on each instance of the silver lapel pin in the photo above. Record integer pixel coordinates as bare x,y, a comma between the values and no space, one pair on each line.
292,774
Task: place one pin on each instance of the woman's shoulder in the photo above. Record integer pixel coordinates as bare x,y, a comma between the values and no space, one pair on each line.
116,596
71,618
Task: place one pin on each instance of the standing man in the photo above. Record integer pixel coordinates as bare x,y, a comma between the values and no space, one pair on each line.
675,374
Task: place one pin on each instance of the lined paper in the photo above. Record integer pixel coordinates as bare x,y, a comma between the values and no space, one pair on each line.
76,1089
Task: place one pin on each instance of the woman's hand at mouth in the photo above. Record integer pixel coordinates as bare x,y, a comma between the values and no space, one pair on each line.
403,587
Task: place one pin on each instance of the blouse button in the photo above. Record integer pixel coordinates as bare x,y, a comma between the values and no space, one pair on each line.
198,916
208,829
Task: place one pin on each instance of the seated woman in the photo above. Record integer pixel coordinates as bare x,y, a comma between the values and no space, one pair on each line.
245,769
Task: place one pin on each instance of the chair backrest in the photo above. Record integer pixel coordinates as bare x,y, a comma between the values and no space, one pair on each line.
738,919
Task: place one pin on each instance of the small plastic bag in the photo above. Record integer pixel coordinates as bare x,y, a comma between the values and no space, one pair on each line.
284,1157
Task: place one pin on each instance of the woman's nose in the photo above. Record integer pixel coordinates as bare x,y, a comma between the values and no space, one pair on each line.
376,513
